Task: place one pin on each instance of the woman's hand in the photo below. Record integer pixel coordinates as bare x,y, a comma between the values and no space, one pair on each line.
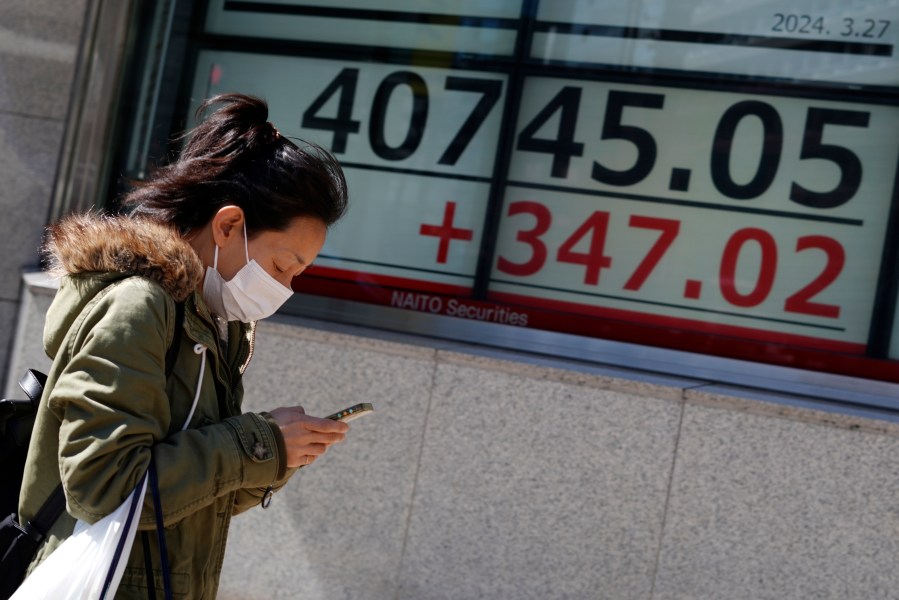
305,437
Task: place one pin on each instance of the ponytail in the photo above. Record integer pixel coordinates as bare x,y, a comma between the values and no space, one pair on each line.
236,156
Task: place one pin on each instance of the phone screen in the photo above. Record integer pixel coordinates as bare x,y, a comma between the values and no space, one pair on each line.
353,412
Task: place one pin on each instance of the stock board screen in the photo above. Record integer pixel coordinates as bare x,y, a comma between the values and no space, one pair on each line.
713,176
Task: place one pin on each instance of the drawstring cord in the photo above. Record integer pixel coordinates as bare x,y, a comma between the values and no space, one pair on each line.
157,502
201,350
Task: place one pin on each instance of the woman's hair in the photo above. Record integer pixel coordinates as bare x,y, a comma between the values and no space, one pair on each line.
235,156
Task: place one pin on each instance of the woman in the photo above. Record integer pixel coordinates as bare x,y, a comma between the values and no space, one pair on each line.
223,230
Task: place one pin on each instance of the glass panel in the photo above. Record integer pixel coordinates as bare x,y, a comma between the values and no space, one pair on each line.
840,41
475,26
763,214
417,146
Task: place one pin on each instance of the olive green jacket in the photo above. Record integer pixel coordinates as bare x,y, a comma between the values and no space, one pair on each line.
108,404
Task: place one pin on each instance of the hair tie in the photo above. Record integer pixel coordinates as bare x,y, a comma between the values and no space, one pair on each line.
275,132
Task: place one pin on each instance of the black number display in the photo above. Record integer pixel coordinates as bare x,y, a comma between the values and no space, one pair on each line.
490,90
417,118
343,124
563,109
613,129
848,162
344,86
771,149
567,103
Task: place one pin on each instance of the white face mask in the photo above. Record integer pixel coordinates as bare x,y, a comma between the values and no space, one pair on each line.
251,295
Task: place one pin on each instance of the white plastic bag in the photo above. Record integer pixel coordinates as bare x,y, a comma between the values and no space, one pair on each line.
79,568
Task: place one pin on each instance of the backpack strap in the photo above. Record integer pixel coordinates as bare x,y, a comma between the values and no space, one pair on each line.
46,516
32,383
171,355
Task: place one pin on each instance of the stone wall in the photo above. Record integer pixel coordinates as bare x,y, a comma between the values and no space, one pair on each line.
39,42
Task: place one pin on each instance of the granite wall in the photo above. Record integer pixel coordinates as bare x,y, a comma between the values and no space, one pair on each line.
39,42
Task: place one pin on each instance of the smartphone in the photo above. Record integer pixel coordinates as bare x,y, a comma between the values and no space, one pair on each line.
353,412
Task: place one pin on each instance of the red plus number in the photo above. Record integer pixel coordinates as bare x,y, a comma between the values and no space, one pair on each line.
446,232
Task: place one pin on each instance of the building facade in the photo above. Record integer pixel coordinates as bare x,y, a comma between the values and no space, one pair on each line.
619,278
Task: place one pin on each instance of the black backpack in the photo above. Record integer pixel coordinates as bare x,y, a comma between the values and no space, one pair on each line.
19,542
17,420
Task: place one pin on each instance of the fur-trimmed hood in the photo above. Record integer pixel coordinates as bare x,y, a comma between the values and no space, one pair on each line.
94,243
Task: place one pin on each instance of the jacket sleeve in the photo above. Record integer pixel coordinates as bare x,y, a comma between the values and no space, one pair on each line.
111,400
247,498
